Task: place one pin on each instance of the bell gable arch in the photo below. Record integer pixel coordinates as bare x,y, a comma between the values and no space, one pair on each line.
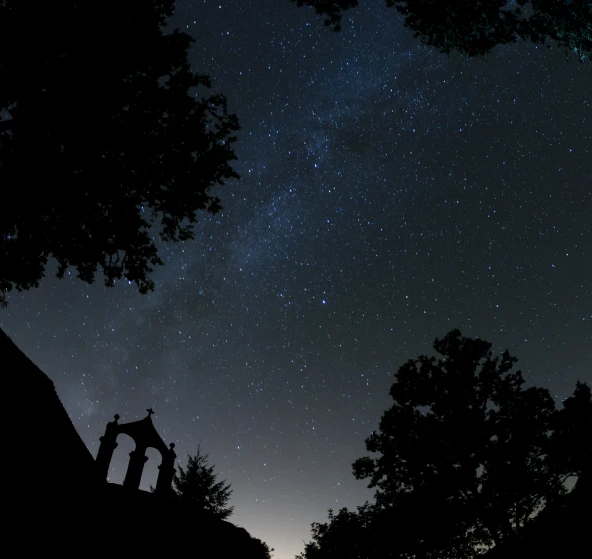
145,436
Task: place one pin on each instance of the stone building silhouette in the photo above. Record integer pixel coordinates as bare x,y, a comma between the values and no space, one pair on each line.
52,454
145,436
56,497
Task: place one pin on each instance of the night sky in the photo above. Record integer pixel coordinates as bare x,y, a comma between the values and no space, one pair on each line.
389,194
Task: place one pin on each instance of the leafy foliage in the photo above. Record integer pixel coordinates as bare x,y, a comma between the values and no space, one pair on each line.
106,138
256,549
570,454
346,535
465,458
566,22
474,27
465,439
198,484
332,9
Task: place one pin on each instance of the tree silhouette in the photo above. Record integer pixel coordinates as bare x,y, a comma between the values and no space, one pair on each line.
461,451
570,513
571,451
346,535
256,549
474,27
108,140
198,484
465,458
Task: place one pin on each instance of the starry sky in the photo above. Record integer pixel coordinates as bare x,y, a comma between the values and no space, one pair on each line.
388,195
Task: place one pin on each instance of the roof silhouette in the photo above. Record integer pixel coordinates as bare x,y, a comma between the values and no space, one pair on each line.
55,501
44,428
144,430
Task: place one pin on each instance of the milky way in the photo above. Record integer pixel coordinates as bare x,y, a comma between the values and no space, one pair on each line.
388,195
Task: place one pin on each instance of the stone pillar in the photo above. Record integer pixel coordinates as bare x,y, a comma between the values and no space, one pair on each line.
135,468
166,472
108,445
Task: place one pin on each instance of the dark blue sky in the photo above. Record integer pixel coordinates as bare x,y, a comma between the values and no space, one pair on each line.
388,195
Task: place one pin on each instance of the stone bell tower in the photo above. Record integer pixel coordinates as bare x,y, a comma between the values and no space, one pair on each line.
144,435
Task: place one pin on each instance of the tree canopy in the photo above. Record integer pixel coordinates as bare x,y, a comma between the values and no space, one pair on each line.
571,456
198,484
474,27
464,459
346,535
107,140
